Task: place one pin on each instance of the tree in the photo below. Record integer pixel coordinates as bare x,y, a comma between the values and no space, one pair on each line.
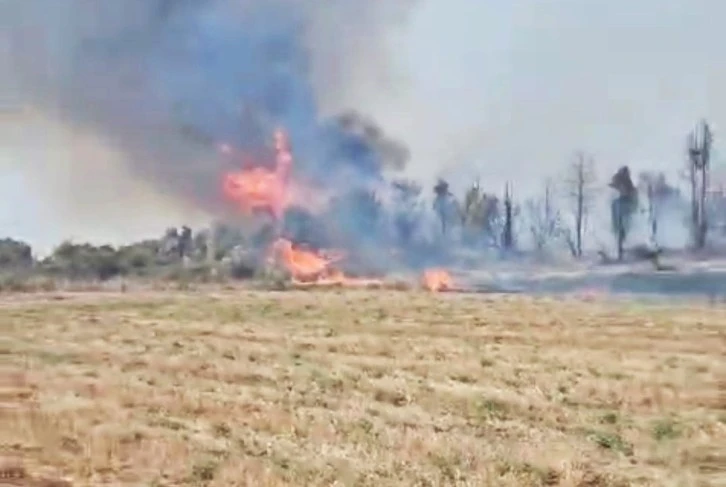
623,206
443,204
699,162
84,261
169,247
225,238
579,191
480,216
186,242
658,194
545,221
508,230
15,254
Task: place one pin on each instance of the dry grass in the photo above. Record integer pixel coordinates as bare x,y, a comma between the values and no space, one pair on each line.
362,388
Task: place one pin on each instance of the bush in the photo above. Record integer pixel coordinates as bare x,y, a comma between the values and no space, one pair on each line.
161,259
15,254
84,261
22,282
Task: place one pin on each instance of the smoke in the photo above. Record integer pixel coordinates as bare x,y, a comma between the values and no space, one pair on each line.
157,83
503,90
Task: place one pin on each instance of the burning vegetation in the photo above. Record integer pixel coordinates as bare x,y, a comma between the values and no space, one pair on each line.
194,79
270,191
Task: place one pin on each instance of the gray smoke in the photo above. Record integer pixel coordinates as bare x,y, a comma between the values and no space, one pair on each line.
157,83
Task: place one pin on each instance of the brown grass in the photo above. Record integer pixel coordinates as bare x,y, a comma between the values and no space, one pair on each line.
361,388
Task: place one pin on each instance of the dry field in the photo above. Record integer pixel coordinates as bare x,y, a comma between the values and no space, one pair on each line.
360,388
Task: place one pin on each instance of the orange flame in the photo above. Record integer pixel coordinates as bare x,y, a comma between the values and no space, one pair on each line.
269,190
303,265
436,280
313,268
273,191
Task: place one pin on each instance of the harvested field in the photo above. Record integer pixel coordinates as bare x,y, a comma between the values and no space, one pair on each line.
361,388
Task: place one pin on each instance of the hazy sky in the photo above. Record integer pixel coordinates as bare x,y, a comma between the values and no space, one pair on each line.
509,89
527,82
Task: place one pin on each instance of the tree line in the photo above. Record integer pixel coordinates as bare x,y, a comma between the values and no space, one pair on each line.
558,218
562,213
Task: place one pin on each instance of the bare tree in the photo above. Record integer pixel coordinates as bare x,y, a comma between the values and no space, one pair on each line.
699,162
471,204
508,230
579,191
545,220
658,195
443,202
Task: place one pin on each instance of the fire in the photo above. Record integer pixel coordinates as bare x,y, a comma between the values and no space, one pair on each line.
437,280
260,189
273,191
303,265
309,267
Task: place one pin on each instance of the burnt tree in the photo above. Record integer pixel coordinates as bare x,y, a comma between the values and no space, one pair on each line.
443,204
545,220
658,195
508,227
623,206
699,162
480,217
580,183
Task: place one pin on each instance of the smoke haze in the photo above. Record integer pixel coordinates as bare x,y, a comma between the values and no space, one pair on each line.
144,90
503,90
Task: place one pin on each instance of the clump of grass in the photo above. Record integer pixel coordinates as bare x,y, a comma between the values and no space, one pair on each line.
222,429
272,278
205,471
168,423
489,409
464,378
526,472
486,362
609,418
665,430
391,396
449,466
611,441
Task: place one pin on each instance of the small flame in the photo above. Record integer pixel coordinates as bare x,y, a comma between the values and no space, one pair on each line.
436,280
312,267
303,265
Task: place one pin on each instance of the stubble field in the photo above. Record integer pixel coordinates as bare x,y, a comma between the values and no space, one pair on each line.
360,388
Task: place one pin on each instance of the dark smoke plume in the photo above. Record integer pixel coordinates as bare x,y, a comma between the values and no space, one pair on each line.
164,81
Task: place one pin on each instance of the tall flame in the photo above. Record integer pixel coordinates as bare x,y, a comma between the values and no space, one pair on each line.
260,189
273,191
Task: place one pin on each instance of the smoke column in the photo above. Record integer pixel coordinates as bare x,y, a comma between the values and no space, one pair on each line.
157,83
